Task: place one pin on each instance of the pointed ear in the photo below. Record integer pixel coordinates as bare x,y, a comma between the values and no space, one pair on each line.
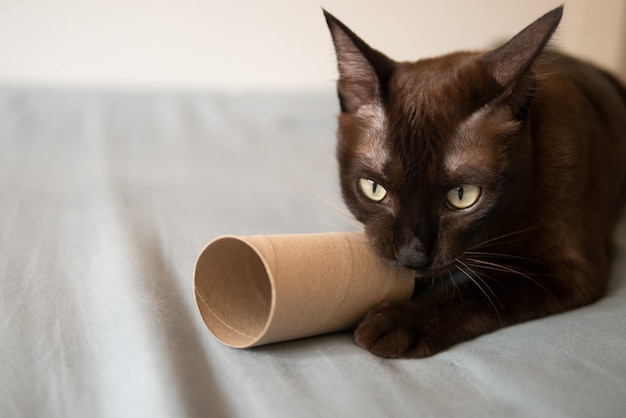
362,69
509,61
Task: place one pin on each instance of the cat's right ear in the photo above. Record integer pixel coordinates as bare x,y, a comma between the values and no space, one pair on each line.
509,61
363,71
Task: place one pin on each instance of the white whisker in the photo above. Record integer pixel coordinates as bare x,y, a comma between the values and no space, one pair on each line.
455,287
469,276
498,240
506,269
496,255
343,213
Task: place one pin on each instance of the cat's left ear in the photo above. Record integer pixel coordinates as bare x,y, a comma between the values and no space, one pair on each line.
510,61
363,71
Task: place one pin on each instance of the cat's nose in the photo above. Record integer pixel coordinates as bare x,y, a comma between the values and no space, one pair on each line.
416,263
413,256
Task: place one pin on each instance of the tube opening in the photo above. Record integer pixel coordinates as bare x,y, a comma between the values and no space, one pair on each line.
233,291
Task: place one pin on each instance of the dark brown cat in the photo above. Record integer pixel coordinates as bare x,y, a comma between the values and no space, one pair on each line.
502,172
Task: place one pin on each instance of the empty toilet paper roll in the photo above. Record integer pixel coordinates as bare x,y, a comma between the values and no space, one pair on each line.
255,290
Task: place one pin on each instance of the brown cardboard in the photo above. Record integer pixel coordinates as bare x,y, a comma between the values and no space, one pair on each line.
255,290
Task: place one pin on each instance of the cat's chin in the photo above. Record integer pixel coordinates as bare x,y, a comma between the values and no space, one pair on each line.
435,273
432,272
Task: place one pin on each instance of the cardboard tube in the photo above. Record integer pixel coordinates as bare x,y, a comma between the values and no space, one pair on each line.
261,289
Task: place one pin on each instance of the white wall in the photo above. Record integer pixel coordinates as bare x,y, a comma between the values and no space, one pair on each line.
264,44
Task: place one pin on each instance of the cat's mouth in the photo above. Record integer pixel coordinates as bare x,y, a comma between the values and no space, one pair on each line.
437,272
444,269
428,282
434,270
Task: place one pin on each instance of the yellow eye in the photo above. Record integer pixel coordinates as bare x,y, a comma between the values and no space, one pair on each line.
372,190
464,196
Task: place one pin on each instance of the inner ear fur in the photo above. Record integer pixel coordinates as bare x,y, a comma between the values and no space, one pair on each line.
363,71
508,62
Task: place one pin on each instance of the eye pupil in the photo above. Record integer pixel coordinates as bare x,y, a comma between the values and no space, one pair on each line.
372,190
463,196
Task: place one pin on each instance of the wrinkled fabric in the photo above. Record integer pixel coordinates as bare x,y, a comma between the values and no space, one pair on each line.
106,199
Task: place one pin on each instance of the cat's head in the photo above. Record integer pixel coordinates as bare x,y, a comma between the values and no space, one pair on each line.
431,152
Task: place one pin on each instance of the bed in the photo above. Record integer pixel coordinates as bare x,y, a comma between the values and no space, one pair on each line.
106,199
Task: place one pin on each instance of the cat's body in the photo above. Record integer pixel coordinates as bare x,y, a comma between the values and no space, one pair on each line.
505,168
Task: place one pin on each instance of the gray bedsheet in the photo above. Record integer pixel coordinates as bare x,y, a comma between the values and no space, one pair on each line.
106,198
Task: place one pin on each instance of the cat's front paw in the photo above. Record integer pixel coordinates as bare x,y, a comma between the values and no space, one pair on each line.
396,331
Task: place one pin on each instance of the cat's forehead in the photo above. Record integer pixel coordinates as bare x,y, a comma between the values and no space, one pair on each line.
437,90
467,149
430,121
435,107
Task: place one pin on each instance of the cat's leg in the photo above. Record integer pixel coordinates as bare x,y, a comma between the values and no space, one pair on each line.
420,328
423,327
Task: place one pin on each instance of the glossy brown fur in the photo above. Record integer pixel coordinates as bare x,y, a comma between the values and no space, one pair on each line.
544,138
